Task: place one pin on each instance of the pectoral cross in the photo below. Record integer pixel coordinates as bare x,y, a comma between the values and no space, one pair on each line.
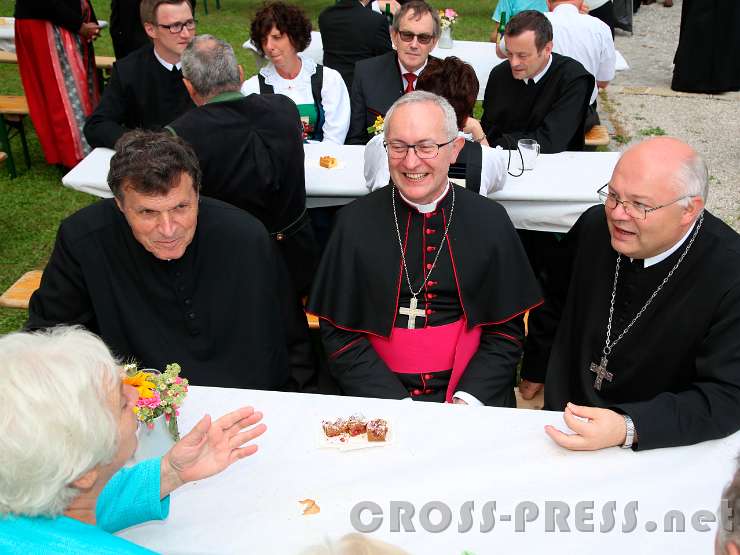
412,312
601,373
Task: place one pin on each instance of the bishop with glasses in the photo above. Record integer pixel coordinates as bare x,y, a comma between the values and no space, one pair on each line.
423,285
647,352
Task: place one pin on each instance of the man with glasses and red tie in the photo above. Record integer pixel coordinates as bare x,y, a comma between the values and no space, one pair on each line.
380,81
146,88
423,285
647,351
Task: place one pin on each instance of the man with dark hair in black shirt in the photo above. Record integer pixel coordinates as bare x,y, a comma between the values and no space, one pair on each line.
163,275
536,94
146,89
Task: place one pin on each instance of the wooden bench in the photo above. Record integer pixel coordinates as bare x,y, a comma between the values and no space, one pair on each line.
12,111
18,294
105,62
101,62
8,57
597,136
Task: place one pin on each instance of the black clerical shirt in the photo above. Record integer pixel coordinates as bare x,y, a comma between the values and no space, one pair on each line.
142,93
551,111
216,310
676,371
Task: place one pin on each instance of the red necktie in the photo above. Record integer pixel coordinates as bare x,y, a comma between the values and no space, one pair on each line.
410,79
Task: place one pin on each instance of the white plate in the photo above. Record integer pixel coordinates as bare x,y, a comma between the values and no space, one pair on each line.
345,442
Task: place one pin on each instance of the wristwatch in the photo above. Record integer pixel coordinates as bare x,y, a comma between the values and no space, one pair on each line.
630,437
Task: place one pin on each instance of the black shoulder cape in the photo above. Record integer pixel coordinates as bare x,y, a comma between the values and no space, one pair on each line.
357,284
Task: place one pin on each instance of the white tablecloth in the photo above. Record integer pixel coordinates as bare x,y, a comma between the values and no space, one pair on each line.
7,34
548,198
441,453
480,55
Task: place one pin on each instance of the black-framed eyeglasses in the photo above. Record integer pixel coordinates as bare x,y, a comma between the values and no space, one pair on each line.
425,151
408,36
176,27
635,210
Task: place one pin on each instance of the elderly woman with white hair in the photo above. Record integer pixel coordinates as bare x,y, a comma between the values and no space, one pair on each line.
67,427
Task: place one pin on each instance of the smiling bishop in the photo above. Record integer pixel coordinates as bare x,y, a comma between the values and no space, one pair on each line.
423,286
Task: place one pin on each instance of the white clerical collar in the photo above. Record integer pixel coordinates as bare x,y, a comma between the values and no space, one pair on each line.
541,74
665,254
166,64
426,208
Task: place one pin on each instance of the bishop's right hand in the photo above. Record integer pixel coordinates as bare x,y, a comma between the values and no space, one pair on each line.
528,389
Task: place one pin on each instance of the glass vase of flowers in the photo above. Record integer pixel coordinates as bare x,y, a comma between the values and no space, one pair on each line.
447,19
161,395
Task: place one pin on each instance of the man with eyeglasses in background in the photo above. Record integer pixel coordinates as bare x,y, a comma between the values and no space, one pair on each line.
126,30
647,350
146,89
423,285
380,81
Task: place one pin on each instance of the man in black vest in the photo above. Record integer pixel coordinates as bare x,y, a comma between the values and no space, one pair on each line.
250,150
146,89
536,94
380,81
251,154
350,32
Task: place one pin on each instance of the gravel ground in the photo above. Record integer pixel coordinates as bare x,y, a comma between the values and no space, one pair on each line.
639,102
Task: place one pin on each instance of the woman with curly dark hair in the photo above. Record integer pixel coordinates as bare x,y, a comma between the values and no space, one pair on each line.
456,81
281,32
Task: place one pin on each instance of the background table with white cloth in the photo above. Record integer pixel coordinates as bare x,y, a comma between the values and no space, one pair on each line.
549,198
7,34
481,55
439,452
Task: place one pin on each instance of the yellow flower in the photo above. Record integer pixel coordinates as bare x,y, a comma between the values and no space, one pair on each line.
141,382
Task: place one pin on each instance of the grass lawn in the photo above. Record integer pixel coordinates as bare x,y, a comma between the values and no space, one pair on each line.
32,205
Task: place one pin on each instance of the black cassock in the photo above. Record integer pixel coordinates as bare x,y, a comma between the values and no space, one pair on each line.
141,93
551,111
676,372
482,274
706,59
216,310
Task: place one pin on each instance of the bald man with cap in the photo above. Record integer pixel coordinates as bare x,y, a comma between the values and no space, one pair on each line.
647,349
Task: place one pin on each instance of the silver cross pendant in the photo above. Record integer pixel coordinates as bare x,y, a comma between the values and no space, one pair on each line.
601,373
412,312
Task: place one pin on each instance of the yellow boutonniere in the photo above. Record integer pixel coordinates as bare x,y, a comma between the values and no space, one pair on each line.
377,127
